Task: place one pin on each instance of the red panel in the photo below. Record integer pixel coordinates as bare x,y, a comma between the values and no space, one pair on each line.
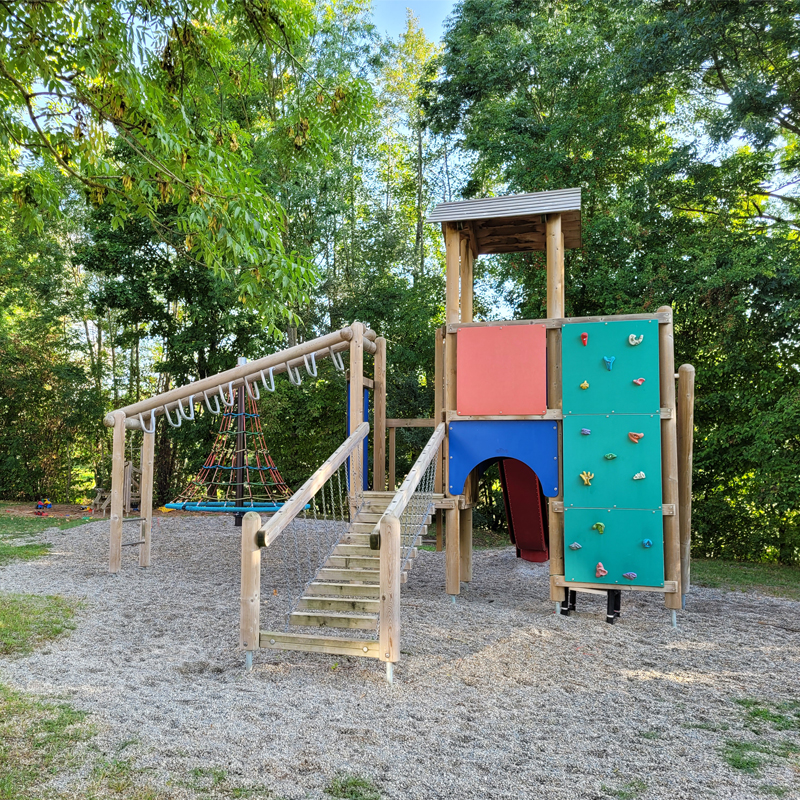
525,510
501,370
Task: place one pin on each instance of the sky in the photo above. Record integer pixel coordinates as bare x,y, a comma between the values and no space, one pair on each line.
390,15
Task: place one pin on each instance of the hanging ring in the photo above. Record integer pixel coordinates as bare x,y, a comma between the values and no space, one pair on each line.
338,364
271,387
178,416
230,391
252,392
152,428
312,370
294,378
187,416
208,404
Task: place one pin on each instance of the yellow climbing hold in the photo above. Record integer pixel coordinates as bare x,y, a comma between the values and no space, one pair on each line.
587,477
585,385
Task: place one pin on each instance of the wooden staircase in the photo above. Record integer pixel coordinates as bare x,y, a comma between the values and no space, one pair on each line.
345,591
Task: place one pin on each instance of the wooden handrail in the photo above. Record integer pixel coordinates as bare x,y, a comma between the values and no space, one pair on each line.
421,422
409,485
338,341
297,502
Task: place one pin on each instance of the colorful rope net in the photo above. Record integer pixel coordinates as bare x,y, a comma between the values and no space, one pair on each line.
239,474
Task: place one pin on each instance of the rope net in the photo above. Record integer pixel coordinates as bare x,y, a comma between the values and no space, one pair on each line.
414,518
239,471
294,560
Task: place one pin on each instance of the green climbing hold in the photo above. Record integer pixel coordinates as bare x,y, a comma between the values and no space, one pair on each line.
599,527
610,456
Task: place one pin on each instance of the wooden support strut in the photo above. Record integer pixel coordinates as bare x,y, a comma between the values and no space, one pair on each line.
669,461
250,597
390,568
685,432
379,435
356,404
465,514
117,492
555,309
146,496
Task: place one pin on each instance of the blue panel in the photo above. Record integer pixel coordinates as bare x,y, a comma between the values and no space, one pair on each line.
534,442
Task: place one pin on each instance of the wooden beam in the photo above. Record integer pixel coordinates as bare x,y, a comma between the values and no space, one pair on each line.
250,591
117,492
555,310
392,463
685,433
390,553
356,404
465,271
379,435
146,496
453,554
425,422
551,413
669,460
669,587
473,237
329,645
661,317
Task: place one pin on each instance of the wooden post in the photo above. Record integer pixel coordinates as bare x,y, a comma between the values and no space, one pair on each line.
392,439
555,309
379,435
250,598
356,404
438,399
452,554
685,456
127,484
465,514
117,492
389,634
146,497
669,460
452,254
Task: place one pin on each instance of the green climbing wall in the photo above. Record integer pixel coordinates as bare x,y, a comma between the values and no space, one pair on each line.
612,517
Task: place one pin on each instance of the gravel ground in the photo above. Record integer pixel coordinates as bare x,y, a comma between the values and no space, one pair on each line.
495,697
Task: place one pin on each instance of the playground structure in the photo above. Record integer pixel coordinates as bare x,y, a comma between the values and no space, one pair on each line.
581,411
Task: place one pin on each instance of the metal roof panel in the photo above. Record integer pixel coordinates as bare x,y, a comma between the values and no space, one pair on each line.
511,205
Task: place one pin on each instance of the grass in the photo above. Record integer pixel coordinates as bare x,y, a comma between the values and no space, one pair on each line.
352,787
783,716
29,620
772,579
13,528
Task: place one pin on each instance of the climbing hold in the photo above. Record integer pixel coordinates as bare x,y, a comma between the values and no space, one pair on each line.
634,437
587,477
647,543
610,456
575,546
585,339
631,576
600,571
609,361
585,385
633,339
600,527
638,381
639,476
586,431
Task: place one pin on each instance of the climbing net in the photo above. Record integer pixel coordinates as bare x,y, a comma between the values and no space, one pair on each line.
414,518
300,554
239,471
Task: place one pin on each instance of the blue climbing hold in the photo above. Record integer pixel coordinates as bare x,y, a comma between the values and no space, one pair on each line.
609,361
575,546
647,543
586,431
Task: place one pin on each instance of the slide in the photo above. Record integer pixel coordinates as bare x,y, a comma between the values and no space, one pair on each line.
526,510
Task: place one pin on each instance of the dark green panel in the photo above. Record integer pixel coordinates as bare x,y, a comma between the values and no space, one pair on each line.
613,484
610,391
619,548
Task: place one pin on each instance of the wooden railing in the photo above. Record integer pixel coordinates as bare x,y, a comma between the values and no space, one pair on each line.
255,535
388,538
393,425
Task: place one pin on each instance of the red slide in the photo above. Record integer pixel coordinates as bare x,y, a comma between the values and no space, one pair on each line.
526,510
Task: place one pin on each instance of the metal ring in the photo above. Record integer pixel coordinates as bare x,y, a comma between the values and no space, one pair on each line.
338,364
208,404
169,419
295,379
188,417
152,428
271,387
312,370
230,391
257,395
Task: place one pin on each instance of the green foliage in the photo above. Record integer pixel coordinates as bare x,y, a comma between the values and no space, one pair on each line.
352,787
772,579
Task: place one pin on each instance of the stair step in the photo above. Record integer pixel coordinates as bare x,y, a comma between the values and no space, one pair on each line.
342,589
319,644
372,562
361,539
348,549
322,603
361,621
362,575
362,527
